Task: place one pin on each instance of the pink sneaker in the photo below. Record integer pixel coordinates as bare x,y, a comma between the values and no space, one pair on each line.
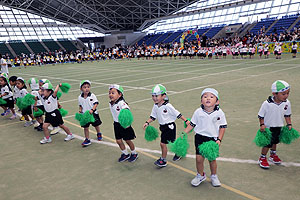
263,163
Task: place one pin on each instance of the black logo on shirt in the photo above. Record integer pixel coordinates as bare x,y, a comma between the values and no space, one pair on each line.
165,111
91,99
218,118
118,108
286,107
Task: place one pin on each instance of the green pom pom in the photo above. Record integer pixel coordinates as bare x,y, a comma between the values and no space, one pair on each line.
20,104
151,133
189,119
38,113
65,87
28,100
125,118
288,136
263,139
58,94
2,101
180,145
209,150
63,112
84,118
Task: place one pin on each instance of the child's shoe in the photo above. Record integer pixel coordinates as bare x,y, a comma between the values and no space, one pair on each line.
69,137
215,181
2,114
275,159
99,136
14,116
6,112
45,140
86,142
39,128
27,123
124,157
263,163
55,131
160,163
176,158
133,157
198,179
22,118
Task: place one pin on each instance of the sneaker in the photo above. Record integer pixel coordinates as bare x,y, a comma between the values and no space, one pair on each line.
215,181
69,137
99,136
55,131
22,118
133,157
275,159
198,179
176,158
263,163
124,157
45,140
86,142
40,128
6,112
2,114
28,123
14,116
160,163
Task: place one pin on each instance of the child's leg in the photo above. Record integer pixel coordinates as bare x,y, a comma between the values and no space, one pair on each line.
32,117
265,150
66,129
26,117
86,132
97,129
12,111
121,144
131,146
200,164
46,131
164,150
213,166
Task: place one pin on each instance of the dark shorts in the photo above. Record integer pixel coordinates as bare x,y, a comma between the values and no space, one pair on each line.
168,133
41,107
123,133
199,139
54,118
9,102
97,122
27,111
275,136
294,51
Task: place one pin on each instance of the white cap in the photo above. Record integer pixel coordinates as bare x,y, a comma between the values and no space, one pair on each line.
211,90
280,86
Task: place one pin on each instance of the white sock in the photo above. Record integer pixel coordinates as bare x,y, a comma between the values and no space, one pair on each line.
133,151
125,151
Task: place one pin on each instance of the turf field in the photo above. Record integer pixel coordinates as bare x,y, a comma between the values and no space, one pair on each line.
65,170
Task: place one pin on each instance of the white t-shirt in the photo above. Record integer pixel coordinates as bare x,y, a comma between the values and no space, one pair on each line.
50,103
116,108
4,68
22,93
4,90
208,124
36,94
88,102
273,113
16,92
165,113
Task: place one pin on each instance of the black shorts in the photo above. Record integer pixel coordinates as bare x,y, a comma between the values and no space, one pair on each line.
42,108
224,54
294,51
27,111
199,139
266,53
123,133
9,102
97,122
275,136
276,52
54,118
168,133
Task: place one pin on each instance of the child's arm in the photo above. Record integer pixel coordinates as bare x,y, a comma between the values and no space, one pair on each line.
35,104
262,124
288,122
184,119
56,90
2,95
80,109
94,108
221,135
148,122
188,128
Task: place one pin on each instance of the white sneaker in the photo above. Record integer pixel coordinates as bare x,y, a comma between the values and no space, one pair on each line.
45,140
28,123
198,179
215,181
69,137
13,117
55,131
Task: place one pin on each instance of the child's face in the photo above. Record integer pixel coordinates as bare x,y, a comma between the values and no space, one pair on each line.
209,100
158,99
85,88
281,96
2,82
46,93
12,83
19,84
114,95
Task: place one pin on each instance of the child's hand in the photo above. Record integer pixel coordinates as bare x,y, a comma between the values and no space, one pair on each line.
289,126
60,85
91,111
145,125
187,122
262,128
218,142
35,108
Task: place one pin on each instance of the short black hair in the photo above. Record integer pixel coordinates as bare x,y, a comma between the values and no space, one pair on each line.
13,78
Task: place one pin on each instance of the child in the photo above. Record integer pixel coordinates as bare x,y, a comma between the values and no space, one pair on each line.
271,115
7,95
52,116
166,115
209,124
88,101
22,93
3,63
116,104
294,49
34,85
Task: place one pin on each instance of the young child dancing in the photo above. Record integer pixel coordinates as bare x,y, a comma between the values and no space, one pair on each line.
209,124
7,95
271,115
166,115
116,104
87,101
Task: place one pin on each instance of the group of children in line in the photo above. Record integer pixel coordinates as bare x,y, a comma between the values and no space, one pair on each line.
208,121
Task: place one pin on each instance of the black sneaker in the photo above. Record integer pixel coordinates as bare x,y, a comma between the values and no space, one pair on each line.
86,142
160,163
39,128
176,158
124,157
133,157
